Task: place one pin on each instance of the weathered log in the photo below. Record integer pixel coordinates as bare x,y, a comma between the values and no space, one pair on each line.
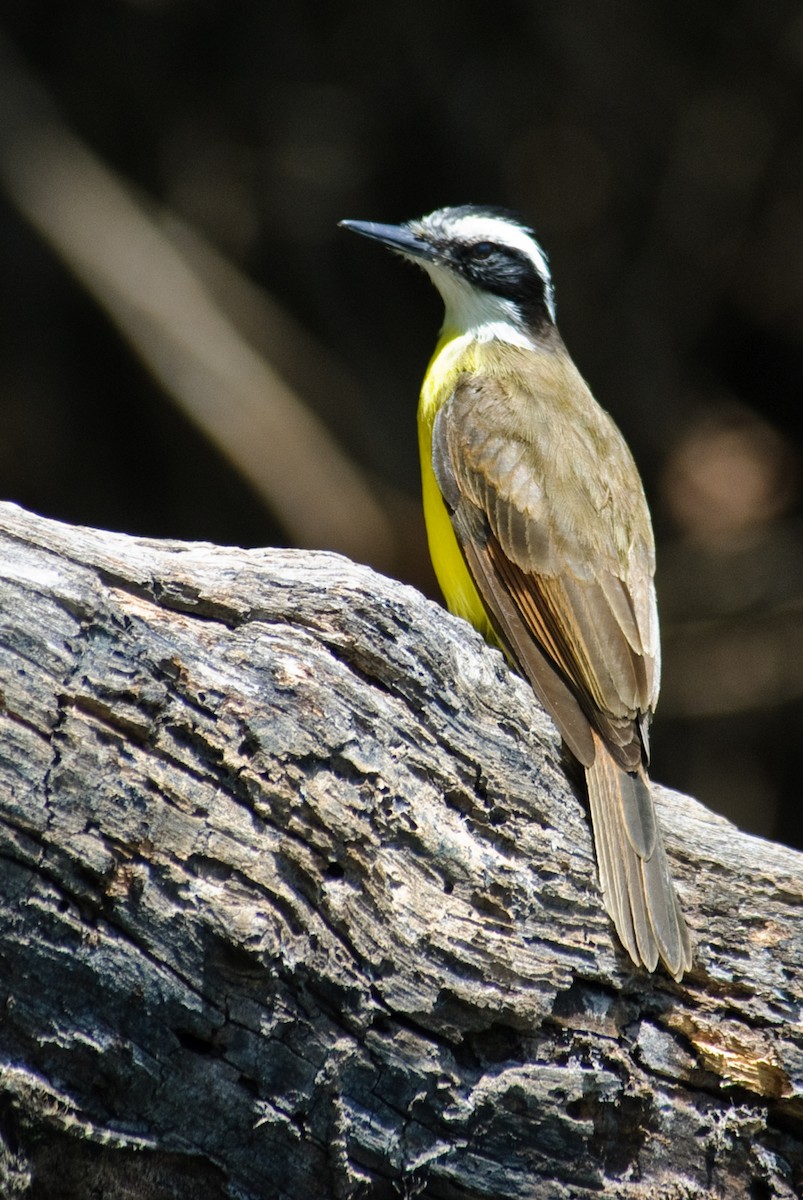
297,900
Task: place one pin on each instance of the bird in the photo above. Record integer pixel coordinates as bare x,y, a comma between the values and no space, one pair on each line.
540,536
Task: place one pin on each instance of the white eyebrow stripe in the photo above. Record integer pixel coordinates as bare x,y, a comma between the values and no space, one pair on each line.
482,227
477,228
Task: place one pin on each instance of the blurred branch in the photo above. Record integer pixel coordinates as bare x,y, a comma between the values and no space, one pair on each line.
161,307
302,360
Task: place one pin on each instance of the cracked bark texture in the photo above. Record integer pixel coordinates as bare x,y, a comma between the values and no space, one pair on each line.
297,900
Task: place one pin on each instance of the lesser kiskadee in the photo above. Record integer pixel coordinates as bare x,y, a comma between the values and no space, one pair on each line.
541,537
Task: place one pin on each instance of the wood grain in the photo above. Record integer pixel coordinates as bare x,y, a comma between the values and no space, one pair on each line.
296,899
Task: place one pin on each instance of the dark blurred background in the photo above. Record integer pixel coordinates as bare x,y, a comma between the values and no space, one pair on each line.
192,349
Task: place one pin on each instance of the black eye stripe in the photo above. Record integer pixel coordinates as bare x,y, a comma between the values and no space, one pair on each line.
502,270
488,263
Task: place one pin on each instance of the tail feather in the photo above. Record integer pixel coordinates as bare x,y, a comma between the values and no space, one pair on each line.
638,812
636,885
614,882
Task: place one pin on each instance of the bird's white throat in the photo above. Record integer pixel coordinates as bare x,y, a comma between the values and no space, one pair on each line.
479,316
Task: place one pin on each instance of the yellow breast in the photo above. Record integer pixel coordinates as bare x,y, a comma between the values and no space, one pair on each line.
453,355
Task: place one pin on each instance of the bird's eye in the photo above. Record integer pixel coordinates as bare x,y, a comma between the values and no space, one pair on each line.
482,251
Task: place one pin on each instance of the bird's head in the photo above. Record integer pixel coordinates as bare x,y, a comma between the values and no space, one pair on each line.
486,264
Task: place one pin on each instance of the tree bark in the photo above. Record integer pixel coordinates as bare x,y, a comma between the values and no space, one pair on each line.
297,900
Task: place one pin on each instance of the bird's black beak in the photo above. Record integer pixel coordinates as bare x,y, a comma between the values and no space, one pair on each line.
396,237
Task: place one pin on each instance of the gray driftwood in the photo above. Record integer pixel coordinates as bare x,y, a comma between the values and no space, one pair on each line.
297,901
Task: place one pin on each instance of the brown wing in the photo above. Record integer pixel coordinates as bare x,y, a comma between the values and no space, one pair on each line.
548,508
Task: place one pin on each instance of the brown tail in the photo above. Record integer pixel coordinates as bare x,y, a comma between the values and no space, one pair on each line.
636,885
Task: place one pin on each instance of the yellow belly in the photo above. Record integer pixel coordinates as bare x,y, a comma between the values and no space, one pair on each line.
452,356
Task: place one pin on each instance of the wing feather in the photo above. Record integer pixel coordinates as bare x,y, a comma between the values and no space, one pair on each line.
516,634
563,560
554,542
